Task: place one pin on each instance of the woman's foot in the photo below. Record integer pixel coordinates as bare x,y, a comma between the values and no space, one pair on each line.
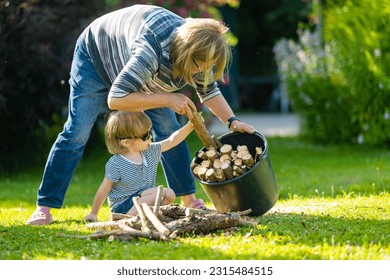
197,204
191,202
41,216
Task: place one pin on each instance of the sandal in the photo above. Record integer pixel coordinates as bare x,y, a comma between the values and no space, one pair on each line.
39,218
198,204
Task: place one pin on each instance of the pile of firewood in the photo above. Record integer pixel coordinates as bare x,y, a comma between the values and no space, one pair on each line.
218,165
164,222
220,162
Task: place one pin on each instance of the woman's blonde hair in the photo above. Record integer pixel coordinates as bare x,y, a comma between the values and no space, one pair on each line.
121,125
201,39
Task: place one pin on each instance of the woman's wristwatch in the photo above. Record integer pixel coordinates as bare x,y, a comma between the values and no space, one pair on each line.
230,120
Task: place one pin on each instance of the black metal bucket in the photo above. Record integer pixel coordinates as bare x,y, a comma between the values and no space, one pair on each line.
256,189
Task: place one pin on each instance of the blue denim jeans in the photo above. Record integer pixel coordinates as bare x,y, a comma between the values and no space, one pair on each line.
88,99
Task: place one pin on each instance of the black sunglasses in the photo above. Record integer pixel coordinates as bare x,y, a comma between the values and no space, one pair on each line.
148,135
196,64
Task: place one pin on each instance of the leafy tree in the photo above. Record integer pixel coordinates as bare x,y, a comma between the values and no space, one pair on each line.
340,81
36,46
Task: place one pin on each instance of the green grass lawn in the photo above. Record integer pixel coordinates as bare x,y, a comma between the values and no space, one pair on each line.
334,205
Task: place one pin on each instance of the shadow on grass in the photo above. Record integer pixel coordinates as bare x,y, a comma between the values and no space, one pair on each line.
277,236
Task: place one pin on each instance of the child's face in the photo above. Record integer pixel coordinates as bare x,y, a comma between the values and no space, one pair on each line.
142,144
139,144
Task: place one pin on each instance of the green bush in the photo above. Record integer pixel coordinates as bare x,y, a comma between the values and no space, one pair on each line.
36,47
342,88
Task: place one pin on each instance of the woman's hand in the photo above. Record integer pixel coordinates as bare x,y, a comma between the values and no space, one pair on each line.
181,104
238,126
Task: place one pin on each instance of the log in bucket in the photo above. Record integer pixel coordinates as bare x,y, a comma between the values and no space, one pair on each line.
256,189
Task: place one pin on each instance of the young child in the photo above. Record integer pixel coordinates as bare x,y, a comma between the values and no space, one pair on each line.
132,169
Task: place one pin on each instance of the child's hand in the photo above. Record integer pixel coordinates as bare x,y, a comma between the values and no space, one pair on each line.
90,218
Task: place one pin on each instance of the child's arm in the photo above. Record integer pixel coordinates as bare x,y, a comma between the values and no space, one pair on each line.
100,197
177,137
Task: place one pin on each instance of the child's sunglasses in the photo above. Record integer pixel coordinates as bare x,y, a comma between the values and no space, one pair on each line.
148,135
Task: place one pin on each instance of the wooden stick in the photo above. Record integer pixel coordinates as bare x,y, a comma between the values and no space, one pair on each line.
141,215
103,225
191,211
123,230
119,216
98,234
154,220
126,230
159,198
244,212
217,141
200,129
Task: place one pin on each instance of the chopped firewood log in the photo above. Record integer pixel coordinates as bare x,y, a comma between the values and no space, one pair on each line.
245,168
201,130
233,155
202,173
210,175
241,148
219,175
227,170
238,169
248,160
238,162
196,169
207,163
202,155
243,153
259,151
193,164
225,158
226,149
217,164
212,154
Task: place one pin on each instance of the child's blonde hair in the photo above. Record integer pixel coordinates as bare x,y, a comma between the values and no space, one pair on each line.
201,39
122,125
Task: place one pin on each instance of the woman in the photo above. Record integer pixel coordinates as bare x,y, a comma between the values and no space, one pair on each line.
136,59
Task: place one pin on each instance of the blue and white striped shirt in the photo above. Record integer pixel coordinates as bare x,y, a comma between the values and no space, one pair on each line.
130,49
130,178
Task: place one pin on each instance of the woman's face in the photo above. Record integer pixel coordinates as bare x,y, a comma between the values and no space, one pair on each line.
199,66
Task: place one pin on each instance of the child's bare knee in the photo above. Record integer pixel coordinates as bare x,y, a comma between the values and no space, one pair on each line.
169,195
